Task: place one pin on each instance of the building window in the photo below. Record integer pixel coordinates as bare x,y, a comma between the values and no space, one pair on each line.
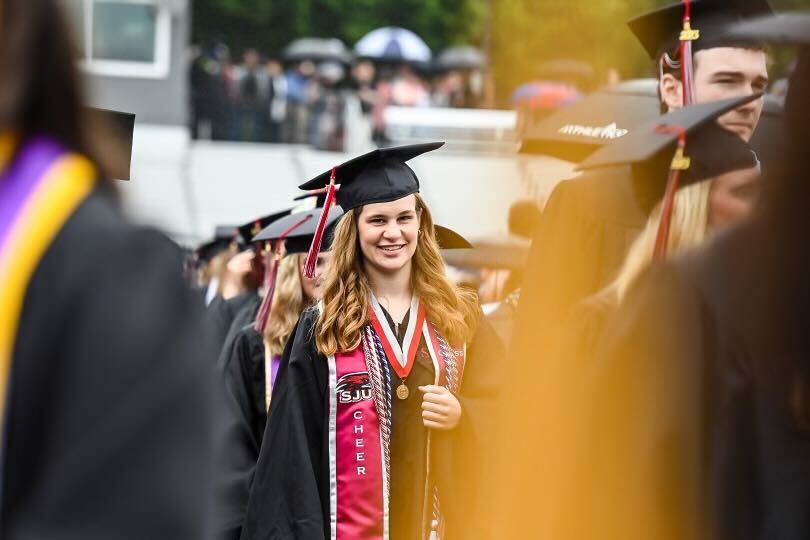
123,38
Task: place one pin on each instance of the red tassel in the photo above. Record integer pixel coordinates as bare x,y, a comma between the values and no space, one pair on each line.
679,163
688,34
271,274
317,239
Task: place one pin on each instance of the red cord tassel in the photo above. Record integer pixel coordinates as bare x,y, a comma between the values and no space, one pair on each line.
317,239
271,275
679,163
688,35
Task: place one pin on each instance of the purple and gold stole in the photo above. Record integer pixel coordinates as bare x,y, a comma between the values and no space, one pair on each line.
360,430
40,188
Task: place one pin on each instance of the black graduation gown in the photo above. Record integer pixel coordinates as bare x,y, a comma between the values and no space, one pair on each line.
246,417
109,417
579,245
723,328
221,314
290,493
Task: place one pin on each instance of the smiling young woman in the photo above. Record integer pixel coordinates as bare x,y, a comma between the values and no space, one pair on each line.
371,377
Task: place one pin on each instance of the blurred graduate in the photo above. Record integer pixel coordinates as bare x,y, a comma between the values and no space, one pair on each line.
106,406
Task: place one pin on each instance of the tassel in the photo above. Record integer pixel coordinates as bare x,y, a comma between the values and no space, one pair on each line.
317,239
687,36
271,274
679,163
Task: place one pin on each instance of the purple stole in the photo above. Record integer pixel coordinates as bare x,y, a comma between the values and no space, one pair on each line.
360,428
39,190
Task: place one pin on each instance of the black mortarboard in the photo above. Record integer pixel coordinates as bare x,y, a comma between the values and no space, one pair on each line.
120,126
702,150
449,239
659,30
577,130
781,28
254,227
291,234
224,235
298,229
507,252
209,250
719,150
378,176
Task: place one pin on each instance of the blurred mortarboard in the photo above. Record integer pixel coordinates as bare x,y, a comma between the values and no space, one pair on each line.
785,28
252,228
121,126
449,239
224,235
507,253
378,176
577,130
298,229
712,149
659,30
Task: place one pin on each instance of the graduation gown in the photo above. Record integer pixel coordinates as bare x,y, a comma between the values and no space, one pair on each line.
579,245
246,416
290,496
222,313
108,423
701,355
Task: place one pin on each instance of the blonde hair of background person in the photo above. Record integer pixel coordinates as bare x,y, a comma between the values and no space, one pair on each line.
688,228
346,289
288,303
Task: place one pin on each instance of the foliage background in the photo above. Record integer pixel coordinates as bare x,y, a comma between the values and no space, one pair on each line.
519,35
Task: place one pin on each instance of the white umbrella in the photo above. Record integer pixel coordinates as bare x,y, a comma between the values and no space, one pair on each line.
393,43
462,57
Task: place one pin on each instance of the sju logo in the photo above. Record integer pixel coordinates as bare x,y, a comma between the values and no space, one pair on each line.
354,387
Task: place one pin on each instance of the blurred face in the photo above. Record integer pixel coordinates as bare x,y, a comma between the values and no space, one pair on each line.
312,286
732,198
721,73
388,234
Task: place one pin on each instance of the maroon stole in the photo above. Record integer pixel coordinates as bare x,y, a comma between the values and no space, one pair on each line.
360,426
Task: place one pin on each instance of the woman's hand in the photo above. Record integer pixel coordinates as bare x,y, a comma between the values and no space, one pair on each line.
440,408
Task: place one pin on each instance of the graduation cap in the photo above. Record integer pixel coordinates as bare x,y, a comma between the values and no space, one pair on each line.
449,239
507,253
786,28
121,126
298,229
377,176
224,235
659,30
577,130
712,151
691,25
254,227
292,233
647,141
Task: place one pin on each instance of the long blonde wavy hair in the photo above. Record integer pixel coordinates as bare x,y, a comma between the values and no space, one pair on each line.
288,303
688,229
346,289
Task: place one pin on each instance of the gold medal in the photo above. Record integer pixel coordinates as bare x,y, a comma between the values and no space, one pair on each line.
402,391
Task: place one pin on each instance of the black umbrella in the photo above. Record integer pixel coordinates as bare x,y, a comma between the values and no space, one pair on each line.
317,49
462,57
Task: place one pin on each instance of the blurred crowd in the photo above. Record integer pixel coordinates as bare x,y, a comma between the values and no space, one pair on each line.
306,101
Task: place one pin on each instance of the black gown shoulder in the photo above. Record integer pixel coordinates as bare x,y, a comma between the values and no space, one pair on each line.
290,493
109,425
